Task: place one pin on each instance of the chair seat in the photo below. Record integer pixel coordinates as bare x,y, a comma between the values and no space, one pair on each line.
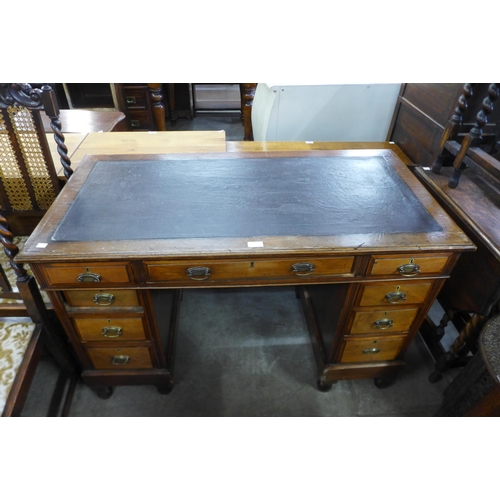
15,335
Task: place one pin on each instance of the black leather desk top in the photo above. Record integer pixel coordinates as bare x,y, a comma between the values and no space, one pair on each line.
247,197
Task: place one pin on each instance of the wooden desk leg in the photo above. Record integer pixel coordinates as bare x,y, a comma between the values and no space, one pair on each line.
247,91
158,107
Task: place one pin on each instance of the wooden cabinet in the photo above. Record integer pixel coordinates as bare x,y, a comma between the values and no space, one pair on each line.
138,106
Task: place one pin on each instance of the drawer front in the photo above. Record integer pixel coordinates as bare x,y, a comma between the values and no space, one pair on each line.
89,275
101,298
141,120
374,349
193,272
388,294
408,266
110,329
136,97
383,321
121,358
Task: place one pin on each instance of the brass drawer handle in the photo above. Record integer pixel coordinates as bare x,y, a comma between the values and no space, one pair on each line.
383,324
373,350
87,276
120,360
303,268
135,123
198,273
395,297
112,332
409,269
131,100
104,299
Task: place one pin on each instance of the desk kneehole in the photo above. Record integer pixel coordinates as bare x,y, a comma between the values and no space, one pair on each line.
192,272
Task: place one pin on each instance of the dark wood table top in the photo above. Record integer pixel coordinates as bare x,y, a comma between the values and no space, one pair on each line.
475,202
83,121
315,202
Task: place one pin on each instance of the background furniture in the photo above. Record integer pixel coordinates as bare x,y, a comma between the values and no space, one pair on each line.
136,143
475,392
421,128
26,327
84,120
119,298
28,180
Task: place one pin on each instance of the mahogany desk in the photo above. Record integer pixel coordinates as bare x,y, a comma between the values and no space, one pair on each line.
366,245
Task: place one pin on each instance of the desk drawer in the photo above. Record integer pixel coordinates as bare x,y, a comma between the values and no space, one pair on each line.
120,358
373,349
110,329
136,97
101,298
141,120
383,321
194,272
88,275
408,266
396,293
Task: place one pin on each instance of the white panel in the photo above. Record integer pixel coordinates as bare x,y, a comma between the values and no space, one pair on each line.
324,112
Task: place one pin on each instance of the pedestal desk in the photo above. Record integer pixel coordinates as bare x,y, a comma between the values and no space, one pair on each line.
363,242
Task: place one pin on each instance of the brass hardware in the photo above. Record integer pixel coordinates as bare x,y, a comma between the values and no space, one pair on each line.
303,268
372,350
135,123
87,276
198,273
395,297
131,100
104,299
120,360
383,324
409,269
112,332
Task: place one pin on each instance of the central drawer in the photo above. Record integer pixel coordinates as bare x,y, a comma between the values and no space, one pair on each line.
193,272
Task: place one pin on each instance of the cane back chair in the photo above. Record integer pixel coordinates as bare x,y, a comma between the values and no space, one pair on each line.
28,180
28,186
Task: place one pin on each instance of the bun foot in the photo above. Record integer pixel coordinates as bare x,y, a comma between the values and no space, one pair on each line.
323,387
165,388
383,383
104,392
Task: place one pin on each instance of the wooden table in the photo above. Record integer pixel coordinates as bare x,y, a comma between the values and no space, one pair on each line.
82,121
136,143
115,260
472,294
